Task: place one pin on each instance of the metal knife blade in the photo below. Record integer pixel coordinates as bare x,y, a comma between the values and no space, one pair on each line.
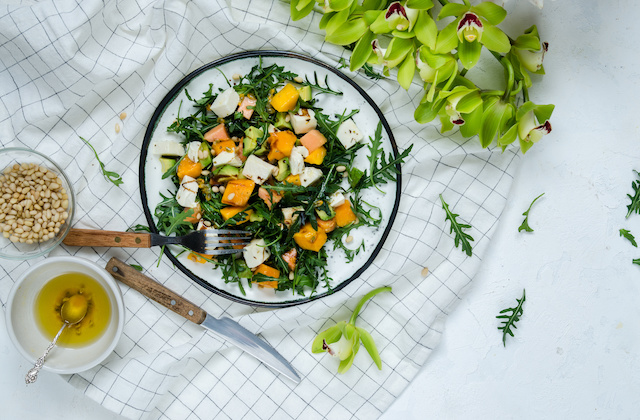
224,328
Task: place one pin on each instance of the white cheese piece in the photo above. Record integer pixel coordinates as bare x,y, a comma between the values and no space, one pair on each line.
296,162
167,148
226,103
257,169
187,192
290,215
309,176
256,252
227,158
302,150
192,150
303,121
349,133
336,199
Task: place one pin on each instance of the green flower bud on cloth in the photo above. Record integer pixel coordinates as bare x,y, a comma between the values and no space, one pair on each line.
342,341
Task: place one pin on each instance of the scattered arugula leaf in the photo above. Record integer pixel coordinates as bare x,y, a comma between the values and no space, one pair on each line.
626,234
137,267
525,223
511,319
634,207
636,261
113,177
461,237
139,228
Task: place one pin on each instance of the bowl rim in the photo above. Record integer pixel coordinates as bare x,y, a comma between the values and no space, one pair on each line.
119,300
71,193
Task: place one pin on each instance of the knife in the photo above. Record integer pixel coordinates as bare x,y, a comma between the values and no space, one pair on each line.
224,328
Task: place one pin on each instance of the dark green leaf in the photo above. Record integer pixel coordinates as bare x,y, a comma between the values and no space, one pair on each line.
461,237
510,316
525,223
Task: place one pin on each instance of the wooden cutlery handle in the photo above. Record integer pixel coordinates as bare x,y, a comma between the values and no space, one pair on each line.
90,237
155,291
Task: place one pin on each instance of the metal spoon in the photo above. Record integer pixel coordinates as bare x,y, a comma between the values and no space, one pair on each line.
72,312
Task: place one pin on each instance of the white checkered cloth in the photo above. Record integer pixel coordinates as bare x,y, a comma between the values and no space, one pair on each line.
71,67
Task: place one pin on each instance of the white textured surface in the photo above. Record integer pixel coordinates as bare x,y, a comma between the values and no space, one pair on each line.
575,350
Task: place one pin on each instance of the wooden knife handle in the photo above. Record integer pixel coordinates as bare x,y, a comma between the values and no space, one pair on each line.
90,237
154,290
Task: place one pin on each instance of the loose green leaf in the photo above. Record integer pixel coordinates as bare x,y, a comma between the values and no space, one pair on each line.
137,267
626,234
510,316
525,223
634,207
113,177
461,237
636,261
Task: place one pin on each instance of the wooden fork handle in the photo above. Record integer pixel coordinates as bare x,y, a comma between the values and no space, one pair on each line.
90,237
155,291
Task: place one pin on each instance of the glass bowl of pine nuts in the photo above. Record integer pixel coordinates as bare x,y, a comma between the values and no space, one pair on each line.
36,204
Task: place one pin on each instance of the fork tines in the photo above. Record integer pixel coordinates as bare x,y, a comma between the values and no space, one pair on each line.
219,241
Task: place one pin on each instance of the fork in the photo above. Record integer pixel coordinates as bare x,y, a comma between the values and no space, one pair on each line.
205,241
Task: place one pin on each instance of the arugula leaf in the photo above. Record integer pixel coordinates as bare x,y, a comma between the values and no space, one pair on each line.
316,85
461,237
139,228
525,222
137,267
625,233
636,261
511,319
113,177
634,207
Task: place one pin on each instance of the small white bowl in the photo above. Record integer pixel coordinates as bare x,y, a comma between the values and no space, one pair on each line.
31,342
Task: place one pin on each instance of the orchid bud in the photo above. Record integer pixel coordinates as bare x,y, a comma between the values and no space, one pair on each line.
532,60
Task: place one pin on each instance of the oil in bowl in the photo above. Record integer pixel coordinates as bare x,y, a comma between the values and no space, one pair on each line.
56,292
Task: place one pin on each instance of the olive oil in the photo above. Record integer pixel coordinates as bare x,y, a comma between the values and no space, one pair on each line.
56,292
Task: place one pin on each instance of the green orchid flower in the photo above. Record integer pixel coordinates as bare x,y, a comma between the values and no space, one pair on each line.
532,123
527,54
435,68
342,341
473,27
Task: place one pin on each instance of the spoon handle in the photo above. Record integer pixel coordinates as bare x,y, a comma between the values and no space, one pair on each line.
32,375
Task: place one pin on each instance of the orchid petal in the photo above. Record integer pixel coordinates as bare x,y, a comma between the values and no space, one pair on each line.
336,21
492,119
495,40
447,39
419,4
397,50
336,5
406,71
362,51
330,335
470,28
348,33
508,137
341,349
397,17
345,365
469,53
370,346
380,25
532,61
426,30
452,9
490,11
472,122
301,8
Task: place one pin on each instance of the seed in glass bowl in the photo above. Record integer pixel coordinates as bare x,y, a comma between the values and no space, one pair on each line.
33,203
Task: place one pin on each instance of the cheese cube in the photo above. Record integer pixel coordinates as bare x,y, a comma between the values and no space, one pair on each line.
226,103
349,133
167,148
303,121
187,192
193,148
255,253
296,162
309,176
257,169
227,158
336,199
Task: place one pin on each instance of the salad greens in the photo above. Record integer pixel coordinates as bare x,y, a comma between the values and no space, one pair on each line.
262,156
627,234
634,206
525,223
110,176
461,237
510,316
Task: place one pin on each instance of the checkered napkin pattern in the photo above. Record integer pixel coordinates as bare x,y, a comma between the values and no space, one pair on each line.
70,68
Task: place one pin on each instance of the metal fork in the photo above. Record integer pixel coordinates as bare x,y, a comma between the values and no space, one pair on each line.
205,241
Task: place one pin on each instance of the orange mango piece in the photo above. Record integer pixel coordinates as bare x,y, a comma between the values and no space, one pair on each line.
194,216
309,238
317,156
223,146
327,225
219,132
266,196
268,271
344,215
246,106
228,212
313,140
293,179
282,143
188,167
237,192
199,258
286,99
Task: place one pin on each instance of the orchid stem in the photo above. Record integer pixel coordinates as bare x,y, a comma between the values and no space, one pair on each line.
510,76
364,299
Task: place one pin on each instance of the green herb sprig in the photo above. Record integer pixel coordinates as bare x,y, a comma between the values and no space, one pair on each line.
510,317
110,176
627,234
525,223
461,238
634,206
